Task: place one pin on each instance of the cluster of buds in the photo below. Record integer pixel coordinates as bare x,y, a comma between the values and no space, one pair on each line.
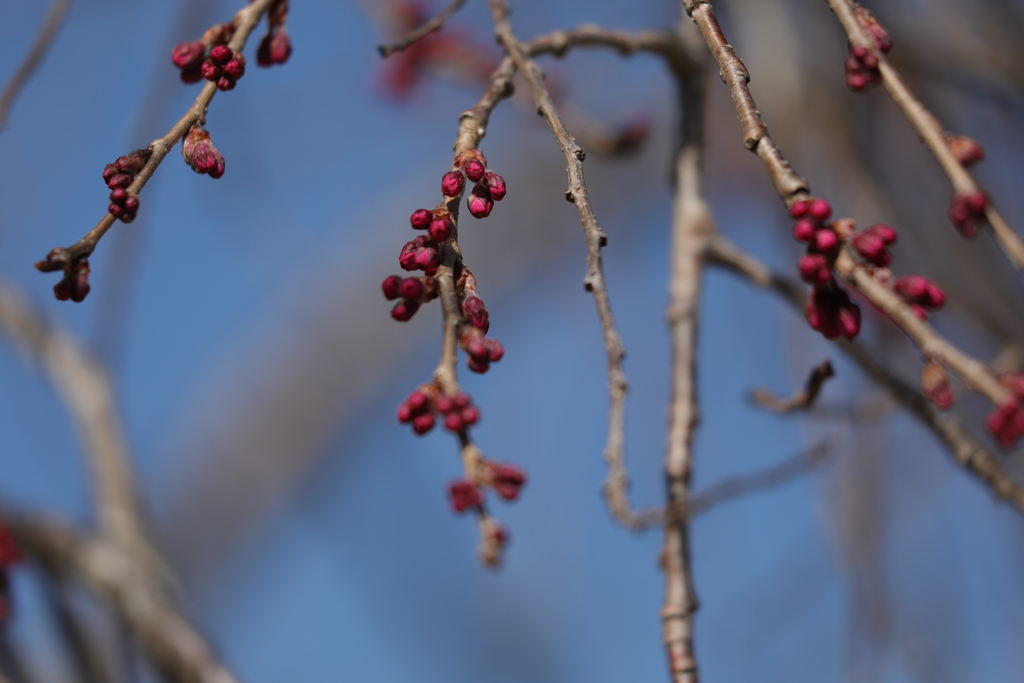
968,212
829,309
489,187
935,385
1007,421
481,350
422,407
119,176
413,291
920,292
276,46
224,67
421,253
199,153
437,223
862,64
192,57
9,555
505,478
873,244
967,151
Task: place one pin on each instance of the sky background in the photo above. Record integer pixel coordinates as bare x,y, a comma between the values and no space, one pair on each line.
258,372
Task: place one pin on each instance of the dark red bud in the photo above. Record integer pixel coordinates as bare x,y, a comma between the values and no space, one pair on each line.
474,170
479,366
235,68
440,229
444,404
120,180
453,422
224,83
210,71
884,232
404,310
188,55
476,313
392,287
421,424
819,210
221,54
495,185
453,183
803,230
412,288
1006,424
495,351
464,495
826,241
470,415
480,202
421,219
799,209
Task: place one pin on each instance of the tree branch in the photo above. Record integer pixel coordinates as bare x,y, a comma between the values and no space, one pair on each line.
426,29
54,18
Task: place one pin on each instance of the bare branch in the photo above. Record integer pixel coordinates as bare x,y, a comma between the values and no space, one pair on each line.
54,18
692,230
928,128
244,22
965,449
426,29
799,401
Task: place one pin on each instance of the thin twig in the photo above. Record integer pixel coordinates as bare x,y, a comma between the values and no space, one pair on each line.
423,31
791,187
174,647
692,229
928,128
85,389
801,400
245,21
54,18
965,449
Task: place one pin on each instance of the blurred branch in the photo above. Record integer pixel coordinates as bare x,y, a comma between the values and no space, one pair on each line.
692,230
791,187
89,664
54,18
928,128
964,448
85,389
424,30
175,648
801,400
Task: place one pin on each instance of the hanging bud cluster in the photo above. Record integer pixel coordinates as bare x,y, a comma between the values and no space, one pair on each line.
489,187
829,309
862,64
118,176
504,478
208,58
276,46
198,151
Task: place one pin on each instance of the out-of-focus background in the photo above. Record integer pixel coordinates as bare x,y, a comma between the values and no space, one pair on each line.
258,371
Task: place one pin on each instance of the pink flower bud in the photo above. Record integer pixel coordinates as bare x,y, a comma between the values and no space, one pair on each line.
480,202
803,230
193,74
134,162
884,232
131,202
912,288
115,210
210,71
495,351
478,366
495,185
461,401
405,413
464,495
798,209
977,201
421,219
118,195
404,310
444,404
474,170
1006,423
934,296
235,68
421,424
453,183
810,267
848,321
392,287
225,83
220,54
109,171
188,55
120,180
407,259
280,47
418,402
855,81
476,313
507,479
428,258
453,422
967,151
819,210
470,415
826,241
412,288
440,229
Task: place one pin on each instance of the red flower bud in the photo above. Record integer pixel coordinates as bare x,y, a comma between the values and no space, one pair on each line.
819,210
188,55
404,310
884,232
453,183
464,495
935,386
421,219
474,170
480,202
210,71
421,424
392,287
412,288
495,185
826,241
798,209
507,479
967,151
453,422
803,230
1006,423
235,68
476,313
440,229
220,54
